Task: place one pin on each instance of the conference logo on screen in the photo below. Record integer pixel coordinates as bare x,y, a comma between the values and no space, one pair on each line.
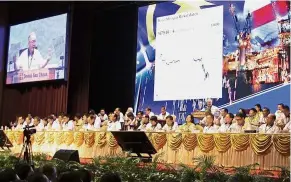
237,53
37,50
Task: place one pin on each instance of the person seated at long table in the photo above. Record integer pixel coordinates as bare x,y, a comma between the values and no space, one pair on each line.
253,118
154,125
114,124
170,125
163,114
189,126
210,126
90,125
130,122
144,123
203,121
20,122
225,127
270,126
67,124
78,122
37,124
240,126
48,126
105,123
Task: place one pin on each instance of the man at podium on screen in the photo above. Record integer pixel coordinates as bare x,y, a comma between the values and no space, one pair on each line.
30,58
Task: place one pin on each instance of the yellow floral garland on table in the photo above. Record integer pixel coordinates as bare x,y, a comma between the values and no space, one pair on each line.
222,142
282,144
59,138
240,142
89,138
50,136
189,141
18,136
205,142
111,141
175,140
39,138
69,137
78,138
101,139
159,140
10,136
261,143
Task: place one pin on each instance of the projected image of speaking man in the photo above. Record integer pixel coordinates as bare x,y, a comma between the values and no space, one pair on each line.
31,58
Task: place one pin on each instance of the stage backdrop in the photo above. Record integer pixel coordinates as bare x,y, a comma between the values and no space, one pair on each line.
253,66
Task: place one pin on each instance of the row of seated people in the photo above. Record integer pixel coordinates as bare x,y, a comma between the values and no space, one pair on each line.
260,121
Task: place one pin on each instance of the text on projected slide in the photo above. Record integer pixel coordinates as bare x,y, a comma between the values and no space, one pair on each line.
189,55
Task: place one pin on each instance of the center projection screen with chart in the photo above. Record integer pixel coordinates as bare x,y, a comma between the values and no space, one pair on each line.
38,50
235,52
184,69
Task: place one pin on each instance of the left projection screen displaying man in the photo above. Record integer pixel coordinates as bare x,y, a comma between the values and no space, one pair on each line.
38,50
31,58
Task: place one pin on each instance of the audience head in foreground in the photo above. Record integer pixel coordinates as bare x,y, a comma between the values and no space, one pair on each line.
38,177
110,177
8,175
50,171
23,170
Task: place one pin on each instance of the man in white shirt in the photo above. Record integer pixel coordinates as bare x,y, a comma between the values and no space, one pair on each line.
223,113
148,111
67,125
57,124
31,58
90,125
37,124
144,123
203,121
163,114
154,125
97,122
225,127
50,121
269,127
263,119
240,126
210,107
114,125
120,116
210,127
102,115
170,125
20,122
280,112
28,122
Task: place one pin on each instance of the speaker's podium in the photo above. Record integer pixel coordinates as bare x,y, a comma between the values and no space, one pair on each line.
135,142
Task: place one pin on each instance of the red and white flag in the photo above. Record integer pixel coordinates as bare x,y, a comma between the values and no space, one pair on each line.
264,17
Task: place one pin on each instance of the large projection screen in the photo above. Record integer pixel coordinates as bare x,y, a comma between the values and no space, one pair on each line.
237,53
38,50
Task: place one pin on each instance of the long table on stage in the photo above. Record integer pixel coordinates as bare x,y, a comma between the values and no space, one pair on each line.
229,149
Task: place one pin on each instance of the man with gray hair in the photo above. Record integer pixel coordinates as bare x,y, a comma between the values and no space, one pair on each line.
31,58
210,107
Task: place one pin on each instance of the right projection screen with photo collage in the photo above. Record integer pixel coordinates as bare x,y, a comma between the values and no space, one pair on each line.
237,53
